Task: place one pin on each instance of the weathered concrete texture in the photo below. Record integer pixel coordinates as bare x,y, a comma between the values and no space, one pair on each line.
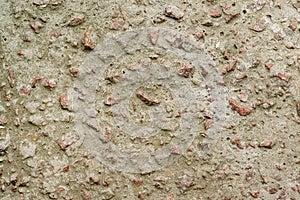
236,61
137,98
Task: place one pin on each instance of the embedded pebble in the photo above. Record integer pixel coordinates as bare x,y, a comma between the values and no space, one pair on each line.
58,164
37,119
215,13
259,25
88,39
67,140
173,12
32,107
27,149
64,102
50,83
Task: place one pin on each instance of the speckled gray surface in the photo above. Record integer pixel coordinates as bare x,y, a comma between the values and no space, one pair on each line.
252,154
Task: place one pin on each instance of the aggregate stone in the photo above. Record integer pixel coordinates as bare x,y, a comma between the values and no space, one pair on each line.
173,12
27,149
67,140
37,119
58,164
32,107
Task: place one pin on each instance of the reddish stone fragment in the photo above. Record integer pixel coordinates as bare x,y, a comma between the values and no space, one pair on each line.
43,19
242,110
254,194
208,124
63,100
175,150
35,80
87,39
66,168
269,65
173,12
198,34
237,142
186,71
293,25
282,77
117,25
24,90
153,35
267,145
216,13
230,67
20,53
273,190
50,83
146,99
231,16
35,28
296,5
74,72
257,27
137,181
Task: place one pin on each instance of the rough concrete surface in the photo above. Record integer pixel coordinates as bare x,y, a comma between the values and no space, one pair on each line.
149,99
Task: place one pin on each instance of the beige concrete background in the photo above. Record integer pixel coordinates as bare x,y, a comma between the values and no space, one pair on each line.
255,47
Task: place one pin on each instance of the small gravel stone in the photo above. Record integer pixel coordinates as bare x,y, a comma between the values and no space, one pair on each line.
51,83
68,140
31,107
64,102
88,39
173,12
153,35
58,164
259,25
159,19
27,149
216,13
37,120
